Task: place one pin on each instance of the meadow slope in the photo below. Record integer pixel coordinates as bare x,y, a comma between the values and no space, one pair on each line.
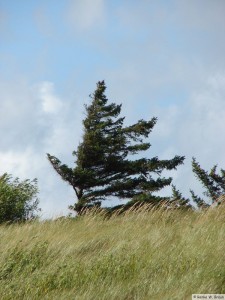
142,255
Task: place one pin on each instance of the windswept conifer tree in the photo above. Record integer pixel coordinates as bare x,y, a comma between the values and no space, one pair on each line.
213,183
104,166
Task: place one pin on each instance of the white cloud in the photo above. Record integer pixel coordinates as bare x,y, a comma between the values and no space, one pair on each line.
206,117
34,121
198,132
50,102
17,162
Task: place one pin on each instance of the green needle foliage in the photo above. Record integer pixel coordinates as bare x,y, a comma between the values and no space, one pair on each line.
18,200
103,164
213,183
177,200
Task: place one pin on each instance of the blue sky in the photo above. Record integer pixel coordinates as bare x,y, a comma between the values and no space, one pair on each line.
158,58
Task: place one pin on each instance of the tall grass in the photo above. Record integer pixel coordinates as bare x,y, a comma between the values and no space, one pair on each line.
143,254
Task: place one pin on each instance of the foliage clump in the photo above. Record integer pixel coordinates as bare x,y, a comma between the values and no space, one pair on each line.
18,199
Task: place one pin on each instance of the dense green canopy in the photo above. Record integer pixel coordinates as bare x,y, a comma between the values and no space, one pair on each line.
18,199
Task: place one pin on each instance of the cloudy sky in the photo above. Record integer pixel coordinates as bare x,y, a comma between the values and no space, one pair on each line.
162,58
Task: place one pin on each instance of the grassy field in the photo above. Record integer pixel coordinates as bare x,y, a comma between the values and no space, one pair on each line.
142,255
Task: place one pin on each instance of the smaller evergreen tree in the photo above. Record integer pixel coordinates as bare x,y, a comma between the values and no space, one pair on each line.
213,183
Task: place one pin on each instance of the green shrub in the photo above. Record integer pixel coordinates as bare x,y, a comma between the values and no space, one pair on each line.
18,200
